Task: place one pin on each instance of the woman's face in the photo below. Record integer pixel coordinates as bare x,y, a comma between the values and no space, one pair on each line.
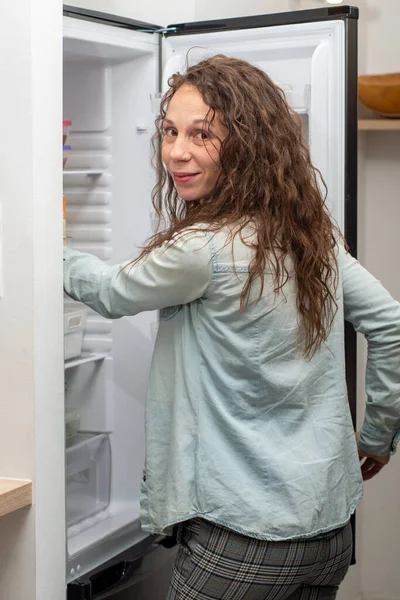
191,146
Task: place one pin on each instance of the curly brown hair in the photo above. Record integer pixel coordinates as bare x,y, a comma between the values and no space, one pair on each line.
266,177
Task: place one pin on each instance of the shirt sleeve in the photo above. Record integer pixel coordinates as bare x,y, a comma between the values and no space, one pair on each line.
374,313
175,273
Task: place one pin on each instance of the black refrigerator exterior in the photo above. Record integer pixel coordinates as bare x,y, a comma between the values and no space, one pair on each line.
143,571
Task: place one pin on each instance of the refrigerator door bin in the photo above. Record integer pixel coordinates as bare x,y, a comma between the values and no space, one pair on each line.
74,324
72,426
297,96
88,476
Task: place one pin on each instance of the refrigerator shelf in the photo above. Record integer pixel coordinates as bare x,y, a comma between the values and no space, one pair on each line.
88,172
85,358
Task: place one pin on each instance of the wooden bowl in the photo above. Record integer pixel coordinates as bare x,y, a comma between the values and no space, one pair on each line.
381,93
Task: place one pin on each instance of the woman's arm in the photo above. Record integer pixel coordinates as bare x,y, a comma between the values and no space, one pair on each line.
374,313
175,273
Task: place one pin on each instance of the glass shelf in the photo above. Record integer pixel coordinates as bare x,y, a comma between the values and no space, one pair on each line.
85,358
88,172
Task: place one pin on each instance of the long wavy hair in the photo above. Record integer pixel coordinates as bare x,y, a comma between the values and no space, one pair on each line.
266,178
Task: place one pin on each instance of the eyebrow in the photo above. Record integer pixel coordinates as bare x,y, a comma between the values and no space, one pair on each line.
166,120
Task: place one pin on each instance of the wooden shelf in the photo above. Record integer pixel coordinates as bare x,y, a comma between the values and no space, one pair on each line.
14,494
379,124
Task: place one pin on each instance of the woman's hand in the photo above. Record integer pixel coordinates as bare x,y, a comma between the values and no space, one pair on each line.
372,464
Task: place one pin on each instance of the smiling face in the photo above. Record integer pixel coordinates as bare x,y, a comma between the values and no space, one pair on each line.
191,145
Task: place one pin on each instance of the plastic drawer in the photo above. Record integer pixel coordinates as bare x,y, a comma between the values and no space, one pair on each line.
88,476
74,324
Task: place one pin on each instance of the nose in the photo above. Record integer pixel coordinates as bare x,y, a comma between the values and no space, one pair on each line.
180,149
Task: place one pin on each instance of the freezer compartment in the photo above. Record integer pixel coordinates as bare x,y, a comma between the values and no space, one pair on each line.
140,573
88,476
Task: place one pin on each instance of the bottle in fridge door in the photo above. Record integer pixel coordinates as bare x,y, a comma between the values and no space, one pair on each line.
111,69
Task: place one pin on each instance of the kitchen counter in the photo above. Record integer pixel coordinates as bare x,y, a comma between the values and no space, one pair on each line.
14,494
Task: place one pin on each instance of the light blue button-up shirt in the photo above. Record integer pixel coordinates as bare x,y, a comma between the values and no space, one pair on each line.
241,429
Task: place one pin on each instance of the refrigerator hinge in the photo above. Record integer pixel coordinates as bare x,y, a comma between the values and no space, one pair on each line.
162,30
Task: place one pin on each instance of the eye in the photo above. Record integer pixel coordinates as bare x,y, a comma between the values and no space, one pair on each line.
169,132
202,135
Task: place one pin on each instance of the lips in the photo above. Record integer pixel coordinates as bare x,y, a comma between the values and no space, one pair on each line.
184,177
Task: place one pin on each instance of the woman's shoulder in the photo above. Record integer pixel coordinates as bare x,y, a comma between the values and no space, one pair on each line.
223,243
199,234
194,236
343,255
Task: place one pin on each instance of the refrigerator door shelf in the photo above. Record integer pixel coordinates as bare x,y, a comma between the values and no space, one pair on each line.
297,96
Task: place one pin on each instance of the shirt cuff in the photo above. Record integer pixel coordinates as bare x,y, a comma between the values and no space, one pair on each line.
371,441
395,441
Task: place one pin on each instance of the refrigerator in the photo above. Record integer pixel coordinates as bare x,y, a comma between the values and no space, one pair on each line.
114,71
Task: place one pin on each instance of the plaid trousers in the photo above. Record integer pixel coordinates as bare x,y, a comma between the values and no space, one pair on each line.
216,563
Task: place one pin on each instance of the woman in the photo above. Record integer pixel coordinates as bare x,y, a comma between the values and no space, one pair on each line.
250,445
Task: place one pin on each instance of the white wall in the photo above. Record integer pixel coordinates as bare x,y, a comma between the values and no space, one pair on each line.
32,563
379,249
217,9
158,12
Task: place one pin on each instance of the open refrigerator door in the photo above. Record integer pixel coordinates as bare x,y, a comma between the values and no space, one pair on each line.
307,58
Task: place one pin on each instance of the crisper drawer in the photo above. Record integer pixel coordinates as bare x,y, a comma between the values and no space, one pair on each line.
88,476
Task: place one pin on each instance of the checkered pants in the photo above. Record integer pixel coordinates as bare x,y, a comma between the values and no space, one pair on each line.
215,563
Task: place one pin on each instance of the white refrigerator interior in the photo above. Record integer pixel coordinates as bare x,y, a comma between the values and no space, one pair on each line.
110,75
